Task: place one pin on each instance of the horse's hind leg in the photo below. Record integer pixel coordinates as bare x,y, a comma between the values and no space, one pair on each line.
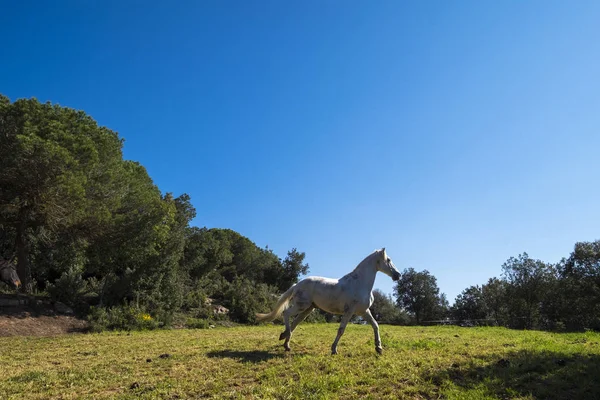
293,310
298,307
300,317
287,334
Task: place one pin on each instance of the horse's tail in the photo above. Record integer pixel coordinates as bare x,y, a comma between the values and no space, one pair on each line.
281,303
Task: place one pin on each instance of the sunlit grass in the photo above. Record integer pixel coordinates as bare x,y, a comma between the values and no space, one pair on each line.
249,362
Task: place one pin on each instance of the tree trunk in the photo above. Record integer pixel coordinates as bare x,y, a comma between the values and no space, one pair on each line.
21,247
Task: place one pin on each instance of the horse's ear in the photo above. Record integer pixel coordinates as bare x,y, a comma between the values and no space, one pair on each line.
383,249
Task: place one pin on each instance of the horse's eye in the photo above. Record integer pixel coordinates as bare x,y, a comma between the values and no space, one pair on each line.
388,260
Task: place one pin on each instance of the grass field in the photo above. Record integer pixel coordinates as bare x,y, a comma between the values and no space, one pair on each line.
249,362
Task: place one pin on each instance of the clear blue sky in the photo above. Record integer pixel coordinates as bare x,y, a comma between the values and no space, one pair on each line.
456,134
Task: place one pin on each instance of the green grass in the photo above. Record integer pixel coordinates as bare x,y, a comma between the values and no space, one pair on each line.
249,362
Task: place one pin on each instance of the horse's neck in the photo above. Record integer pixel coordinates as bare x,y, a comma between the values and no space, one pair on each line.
366,272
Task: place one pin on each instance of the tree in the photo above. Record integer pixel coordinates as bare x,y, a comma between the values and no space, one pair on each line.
137,253
55,170
230,254
233,255
470,304
245,298
528,283
292,267
385,311
443,308
494,297
97,230
578,293
418,293
71,203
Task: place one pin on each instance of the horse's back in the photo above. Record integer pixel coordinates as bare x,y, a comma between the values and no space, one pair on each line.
319,280
314,284
325,293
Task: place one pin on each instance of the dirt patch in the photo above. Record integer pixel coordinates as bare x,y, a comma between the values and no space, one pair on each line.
41,325
36,317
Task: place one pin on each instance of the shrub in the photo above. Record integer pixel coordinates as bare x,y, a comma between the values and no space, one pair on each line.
70,289
244,298
316,316
197,323
125,318
195,302
194,298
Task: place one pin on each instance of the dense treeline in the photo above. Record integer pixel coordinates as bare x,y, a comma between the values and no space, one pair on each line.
93,230
533,294
530,294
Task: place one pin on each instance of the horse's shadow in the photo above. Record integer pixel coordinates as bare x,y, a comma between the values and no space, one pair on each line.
255,356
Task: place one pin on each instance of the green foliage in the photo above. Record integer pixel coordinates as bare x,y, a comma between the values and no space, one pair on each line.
385,311
70,289
494,294
69,200
55,172
577,306
292,267
211,285
536,295
528,282
316,316
244,298
418,293
232,255
91,228
470,305
195,302
197,323
125,318
223,265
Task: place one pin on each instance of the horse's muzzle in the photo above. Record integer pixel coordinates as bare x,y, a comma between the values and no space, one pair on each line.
396,276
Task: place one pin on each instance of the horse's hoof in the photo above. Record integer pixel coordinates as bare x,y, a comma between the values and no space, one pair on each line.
379,350
287,348
333,352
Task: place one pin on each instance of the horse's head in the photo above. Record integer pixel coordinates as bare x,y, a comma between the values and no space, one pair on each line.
8,274
386,265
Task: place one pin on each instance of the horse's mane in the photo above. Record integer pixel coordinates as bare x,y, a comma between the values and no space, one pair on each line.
360,264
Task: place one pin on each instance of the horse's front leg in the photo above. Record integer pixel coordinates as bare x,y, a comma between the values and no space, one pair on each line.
345,319
369,317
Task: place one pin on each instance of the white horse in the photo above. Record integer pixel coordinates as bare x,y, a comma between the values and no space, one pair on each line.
347,296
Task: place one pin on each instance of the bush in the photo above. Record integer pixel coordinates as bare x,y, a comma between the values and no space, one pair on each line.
124,318
244,298
70,289
197,323
316,316
195,302
194,298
